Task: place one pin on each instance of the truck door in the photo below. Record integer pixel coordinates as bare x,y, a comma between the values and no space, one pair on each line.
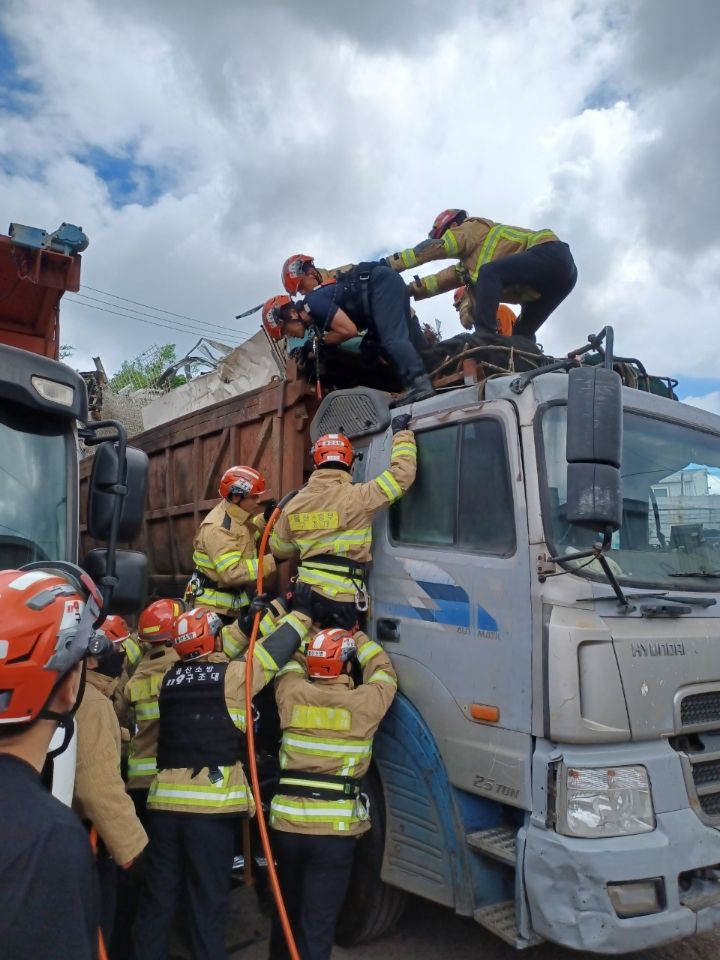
450,588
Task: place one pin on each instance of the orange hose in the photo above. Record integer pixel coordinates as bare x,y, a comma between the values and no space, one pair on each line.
252,759
102,952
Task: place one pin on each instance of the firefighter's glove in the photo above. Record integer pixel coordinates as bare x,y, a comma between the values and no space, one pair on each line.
259,604
400,422
269,507
383,262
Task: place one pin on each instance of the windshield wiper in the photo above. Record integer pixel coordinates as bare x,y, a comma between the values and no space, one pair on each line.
668,597
697,573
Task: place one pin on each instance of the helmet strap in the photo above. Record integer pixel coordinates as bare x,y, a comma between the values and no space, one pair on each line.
64,720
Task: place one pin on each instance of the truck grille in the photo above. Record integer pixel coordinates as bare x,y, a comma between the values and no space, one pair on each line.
701,769
700,708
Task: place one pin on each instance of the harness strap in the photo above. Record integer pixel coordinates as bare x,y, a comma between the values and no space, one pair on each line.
318,786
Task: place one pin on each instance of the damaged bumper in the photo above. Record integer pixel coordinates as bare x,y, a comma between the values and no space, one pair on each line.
586,894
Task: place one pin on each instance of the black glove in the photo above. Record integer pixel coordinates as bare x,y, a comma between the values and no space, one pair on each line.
400,422
259,604
269,507
383,262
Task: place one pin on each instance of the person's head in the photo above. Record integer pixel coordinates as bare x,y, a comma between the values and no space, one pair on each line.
197,633
105,651
242,486
332,451
443,221
458,297
157,620
283,318
48,612
300,275
329,654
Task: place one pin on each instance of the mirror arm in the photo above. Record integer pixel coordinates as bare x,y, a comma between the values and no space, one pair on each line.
597,552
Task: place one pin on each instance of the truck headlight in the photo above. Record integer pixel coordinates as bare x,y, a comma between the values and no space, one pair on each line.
607,801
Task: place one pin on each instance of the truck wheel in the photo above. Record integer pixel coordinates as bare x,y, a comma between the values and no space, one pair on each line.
372,908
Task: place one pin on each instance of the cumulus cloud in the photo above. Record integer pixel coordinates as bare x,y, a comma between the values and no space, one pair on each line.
199,146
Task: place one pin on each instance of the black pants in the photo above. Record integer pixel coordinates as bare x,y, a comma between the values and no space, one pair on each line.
547,267
129,885
314,873
397,330
195,850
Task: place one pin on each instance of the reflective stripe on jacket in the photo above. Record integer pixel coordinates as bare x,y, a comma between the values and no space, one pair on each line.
331,515
225,789
140,696
100,795
475,242
224,550
328,728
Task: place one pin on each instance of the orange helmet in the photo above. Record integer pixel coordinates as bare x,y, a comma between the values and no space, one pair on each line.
272,315
328,652
47,615
112,631
158,619
293,271
505,320
458,295
194,633
241,481
443,220
332,448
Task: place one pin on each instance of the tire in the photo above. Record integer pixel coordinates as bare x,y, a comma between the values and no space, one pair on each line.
372,908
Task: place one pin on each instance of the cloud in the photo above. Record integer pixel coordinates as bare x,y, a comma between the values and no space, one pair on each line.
198,146
710,401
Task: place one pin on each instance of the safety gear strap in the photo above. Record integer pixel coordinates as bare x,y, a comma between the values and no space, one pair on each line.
318,786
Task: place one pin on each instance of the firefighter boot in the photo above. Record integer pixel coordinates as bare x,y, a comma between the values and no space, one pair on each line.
420,389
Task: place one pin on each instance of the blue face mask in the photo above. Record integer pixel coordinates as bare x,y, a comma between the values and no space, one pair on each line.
295,343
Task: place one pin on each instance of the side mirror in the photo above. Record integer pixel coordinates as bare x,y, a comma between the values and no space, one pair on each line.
130,588
594,448
105,487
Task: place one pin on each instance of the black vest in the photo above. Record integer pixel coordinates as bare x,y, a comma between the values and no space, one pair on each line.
195,727
352,293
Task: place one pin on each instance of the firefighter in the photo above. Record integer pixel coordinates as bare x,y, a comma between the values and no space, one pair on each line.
319,810
47,875
200,793
329,522
300,275
531,267
139,706
99,798
225,551
465,305
370,298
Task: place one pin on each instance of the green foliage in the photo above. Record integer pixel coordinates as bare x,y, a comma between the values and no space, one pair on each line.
66,351
145,370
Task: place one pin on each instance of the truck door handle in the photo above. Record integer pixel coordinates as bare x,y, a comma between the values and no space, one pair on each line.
388,630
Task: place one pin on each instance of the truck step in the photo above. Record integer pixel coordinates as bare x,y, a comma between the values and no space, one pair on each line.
498,843
500,919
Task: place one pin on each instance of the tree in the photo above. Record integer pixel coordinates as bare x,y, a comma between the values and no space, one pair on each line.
146,369
66,351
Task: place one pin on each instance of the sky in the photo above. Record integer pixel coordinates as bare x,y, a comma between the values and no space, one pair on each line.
198,145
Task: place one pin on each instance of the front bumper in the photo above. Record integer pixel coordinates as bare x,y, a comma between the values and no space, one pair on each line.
566,879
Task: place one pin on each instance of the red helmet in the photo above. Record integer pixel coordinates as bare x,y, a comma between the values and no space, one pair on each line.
194,633
113,630
272,315
293,271
328,652
158,619
458,295
332,448
443,220
47,615
241,481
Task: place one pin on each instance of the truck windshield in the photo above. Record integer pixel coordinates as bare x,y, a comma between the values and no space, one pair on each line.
670,534
33,487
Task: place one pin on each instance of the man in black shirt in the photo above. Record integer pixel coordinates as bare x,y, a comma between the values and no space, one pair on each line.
47,878
370,297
